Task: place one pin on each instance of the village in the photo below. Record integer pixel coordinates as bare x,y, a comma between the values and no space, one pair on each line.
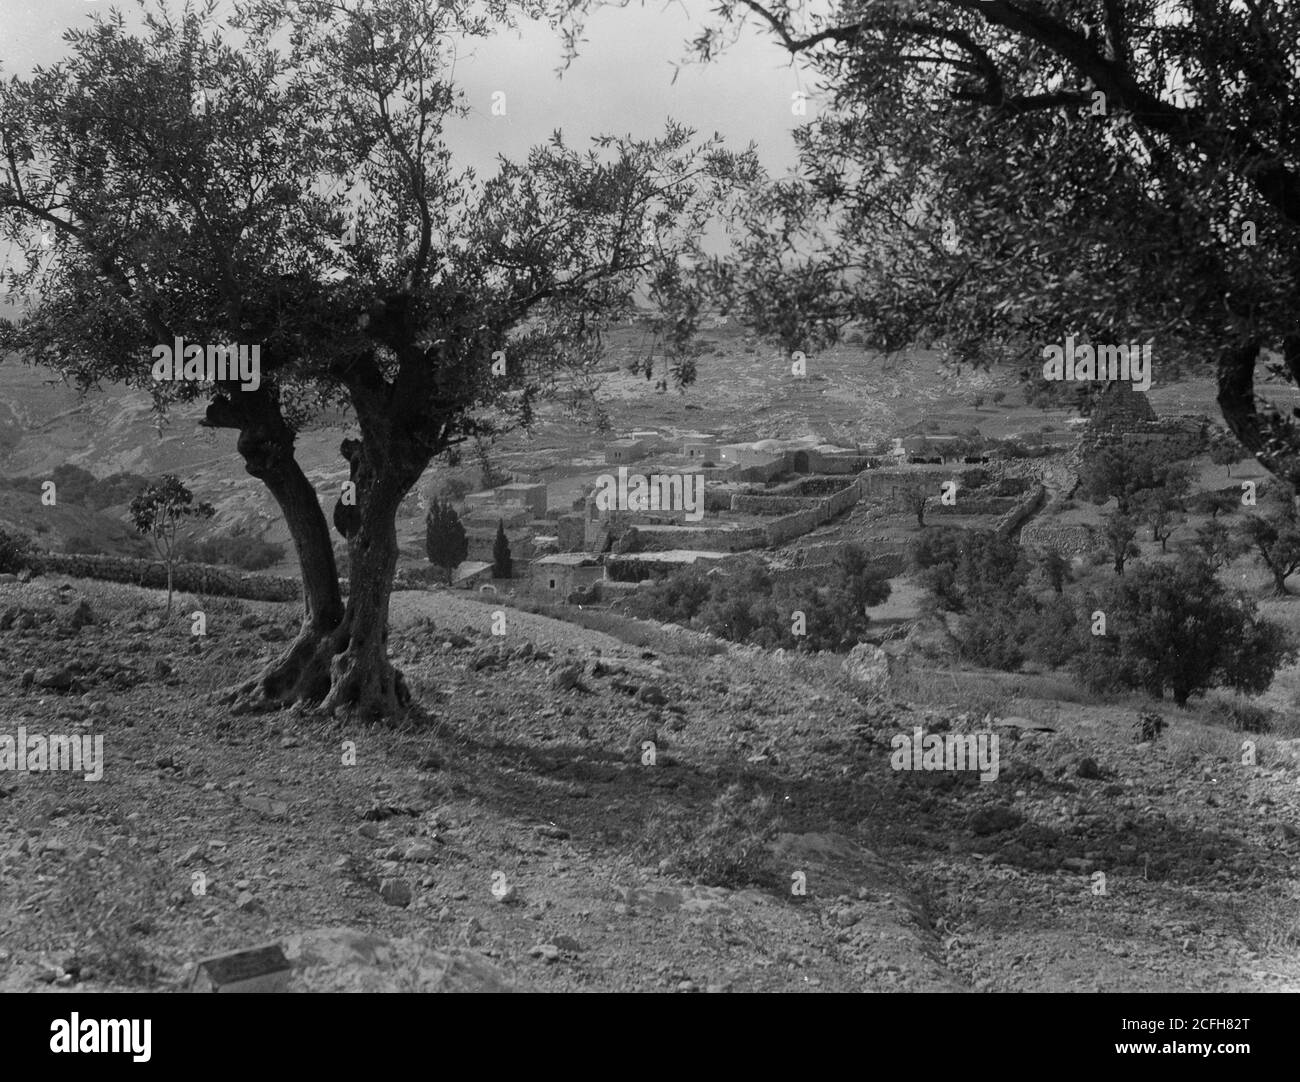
794,502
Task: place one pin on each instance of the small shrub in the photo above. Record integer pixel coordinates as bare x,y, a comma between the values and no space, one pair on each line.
731,849
1241,715
106,915
85,545
17,552
243,551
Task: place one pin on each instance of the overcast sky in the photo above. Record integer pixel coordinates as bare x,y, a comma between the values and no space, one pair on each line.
622,81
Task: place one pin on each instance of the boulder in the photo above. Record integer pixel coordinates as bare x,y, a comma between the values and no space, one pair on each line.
866,668
348,959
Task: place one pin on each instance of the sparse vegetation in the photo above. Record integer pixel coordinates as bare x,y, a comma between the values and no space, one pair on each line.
108,907
747,605
158,512
730,849
17,552
230,549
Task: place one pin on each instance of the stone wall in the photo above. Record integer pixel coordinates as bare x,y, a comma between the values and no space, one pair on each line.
799,523
702,538
482,542
191,578
754,474
717,498
993,505
895,485
772,505
202,579
824,462
1067,539
572,532
1018,516
889,564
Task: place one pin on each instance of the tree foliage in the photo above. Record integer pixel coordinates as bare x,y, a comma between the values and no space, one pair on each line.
278,177
989,177
445,541
747,604
1175,627
158,512
502,564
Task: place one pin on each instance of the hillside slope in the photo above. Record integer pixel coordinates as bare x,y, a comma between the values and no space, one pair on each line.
518,829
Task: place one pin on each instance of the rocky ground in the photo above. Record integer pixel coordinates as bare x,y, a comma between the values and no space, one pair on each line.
574,813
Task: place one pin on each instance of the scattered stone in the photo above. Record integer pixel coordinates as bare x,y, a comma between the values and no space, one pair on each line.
548,952
190,854
1088,768
845,917
396,892
28,678
55,679
347,959
80,617
866,668
419,853
652,695
567,943
1148,728
246,903
272,809
568,677
486,657
991,820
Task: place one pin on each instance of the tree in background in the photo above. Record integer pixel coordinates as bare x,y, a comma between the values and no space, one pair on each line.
489,477
916,500
1215,502
17,551
1161,511
1123,473
502,564
445,541
158,511
1217,544
854,576
1119,531
1175,627
1055,569
1274,535
1225,450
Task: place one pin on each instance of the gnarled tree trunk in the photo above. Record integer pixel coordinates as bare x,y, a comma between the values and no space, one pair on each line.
342,662
1271,437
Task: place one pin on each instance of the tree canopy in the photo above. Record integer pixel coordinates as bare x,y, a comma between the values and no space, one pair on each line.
279,178
989,176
